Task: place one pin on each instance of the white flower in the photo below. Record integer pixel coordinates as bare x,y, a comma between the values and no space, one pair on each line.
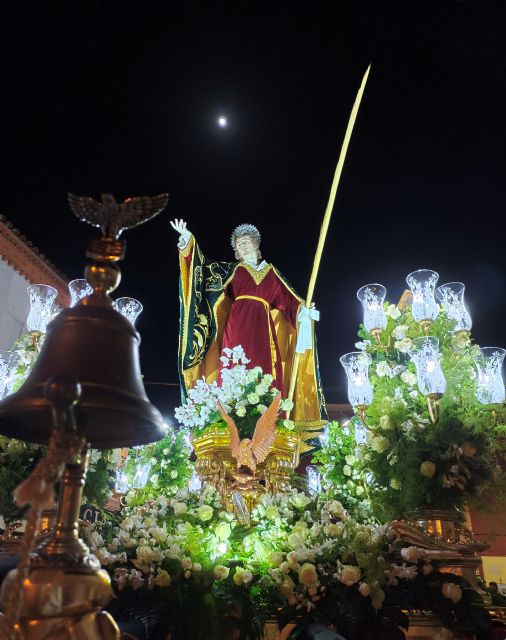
404,345
205,512
223,531
159,534
240,411
349,575
362,346
400,331
308,575
347,470
186,563
413,394
364,589
197,567
242,576
380,444
261,389
221,572
174,474
162,578
253,398
333,529
336,509
393,311
179,508
383,369
289,424
300,500
409,378
452,591
286,404
262,409
385,422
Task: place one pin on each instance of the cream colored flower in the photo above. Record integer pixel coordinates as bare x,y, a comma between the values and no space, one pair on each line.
242,576
144,554
261,409
393,311
240,411
162,578
364,589
396,484
276,558
186,563
380,444
347,470
404,345
271,512
300,500
253,398
223,530
349,575
451,591
409,378
221,572
400,331
289,424
336,509
308,575
385,422
159,534
205,512
412,554
286,587
333,529
179,508
383,369
296,540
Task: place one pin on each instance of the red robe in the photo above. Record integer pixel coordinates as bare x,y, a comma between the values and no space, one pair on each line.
250,323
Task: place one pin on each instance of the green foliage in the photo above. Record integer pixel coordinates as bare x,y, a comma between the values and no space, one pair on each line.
411,464
168,465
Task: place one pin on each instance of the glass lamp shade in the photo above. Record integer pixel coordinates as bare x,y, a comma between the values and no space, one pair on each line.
42,297
422,284
8,364
372,297
78,290
425,354
356,364
313,479
130,308
451,298
490,381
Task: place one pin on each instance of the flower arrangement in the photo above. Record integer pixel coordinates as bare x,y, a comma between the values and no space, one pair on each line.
304,560
410,463
244,394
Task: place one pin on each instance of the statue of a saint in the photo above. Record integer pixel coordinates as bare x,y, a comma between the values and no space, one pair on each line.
249,303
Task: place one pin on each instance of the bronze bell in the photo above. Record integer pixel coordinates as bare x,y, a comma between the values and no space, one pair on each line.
99,347
94,345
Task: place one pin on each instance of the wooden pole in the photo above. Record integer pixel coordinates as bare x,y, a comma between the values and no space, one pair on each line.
327,216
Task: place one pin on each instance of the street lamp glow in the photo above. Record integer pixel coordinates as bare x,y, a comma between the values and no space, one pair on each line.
222,122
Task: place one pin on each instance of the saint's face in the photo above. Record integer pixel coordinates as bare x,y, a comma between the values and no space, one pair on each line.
246,247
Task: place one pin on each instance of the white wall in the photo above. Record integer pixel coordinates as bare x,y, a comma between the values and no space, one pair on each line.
14,305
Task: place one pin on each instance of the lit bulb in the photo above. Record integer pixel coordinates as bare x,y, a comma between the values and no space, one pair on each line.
222,122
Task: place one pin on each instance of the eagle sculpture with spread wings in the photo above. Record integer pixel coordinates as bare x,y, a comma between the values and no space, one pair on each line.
249,453
114,217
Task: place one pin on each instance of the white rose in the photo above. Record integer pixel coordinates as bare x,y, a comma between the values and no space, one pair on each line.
197,567
349,575
382,369
380,444
404,345
240,411
385,422
162,579
179,508
144,554
205,512
400,331
347,470
261,389
289,424
253,398
221,572
393,311
223,530
308,575
300,500
296,540
174,474
159,534
242,576
262,408
287,404
186,563
333,530
412,554
336,509
364,589
408,377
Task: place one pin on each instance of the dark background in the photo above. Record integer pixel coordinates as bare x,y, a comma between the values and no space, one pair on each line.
123,97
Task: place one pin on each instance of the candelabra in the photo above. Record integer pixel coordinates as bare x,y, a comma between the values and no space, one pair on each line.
424,308
490,389
360,393
451,298
431,381
372,297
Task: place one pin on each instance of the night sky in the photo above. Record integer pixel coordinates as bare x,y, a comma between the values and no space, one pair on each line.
123,97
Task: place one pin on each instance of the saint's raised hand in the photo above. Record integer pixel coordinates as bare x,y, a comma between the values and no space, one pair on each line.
179,226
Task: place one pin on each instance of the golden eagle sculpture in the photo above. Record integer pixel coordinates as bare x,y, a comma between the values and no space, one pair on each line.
114,217
250,453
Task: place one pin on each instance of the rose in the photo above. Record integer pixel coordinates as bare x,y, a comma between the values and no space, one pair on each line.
308,575
385,422
396,484
428,469
333,530
286,404
186,563
349,574
240,411
393,311
382,369
261,389
242,576
174,474
271,512
276,558
154,479
221,572
408,377
347,470
300,500
349,459
286,587
427,569
380,444
364,589
205,512
451,591
179,508
404,345
197,567
336,509
159,534
261,409
289,424
144,554
162,578
412,554
223,530
400,331
296,540
300,524
253,398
